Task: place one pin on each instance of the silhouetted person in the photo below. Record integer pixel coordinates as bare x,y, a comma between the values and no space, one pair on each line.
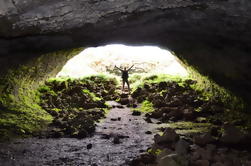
125,75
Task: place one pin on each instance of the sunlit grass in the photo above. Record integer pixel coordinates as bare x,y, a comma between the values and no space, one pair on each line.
145,107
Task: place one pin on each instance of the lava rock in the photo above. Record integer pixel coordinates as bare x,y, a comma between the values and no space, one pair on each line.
148,132
82,134
181,147
231,135
89,146
203,139
124,101
136,113
169,136
116,140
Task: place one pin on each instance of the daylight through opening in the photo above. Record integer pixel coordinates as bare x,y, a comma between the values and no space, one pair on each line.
147,60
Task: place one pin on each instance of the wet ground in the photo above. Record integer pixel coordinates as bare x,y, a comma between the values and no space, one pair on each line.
117,140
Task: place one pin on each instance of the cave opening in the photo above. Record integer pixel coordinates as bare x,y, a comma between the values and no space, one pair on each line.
83,104
147,60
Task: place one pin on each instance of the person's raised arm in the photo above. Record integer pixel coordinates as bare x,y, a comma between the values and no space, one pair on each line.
118,68
130,68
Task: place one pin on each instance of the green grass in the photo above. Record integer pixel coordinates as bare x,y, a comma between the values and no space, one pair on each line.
146,106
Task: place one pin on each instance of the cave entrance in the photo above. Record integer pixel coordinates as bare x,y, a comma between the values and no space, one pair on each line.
147,60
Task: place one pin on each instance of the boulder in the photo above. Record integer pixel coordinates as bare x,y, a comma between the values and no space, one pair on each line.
188,114
124,101
173,160
217,164
136,113
169,136
231,135
116,140
156,114
203,139
201,163
176,114
82,134
181,147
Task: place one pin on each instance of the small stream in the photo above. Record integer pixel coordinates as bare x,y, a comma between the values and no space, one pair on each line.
102,149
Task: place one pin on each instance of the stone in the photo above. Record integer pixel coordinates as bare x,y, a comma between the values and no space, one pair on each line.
176,114
169,136
173,160
202,163
124,95
88,146
114,119
156,114
148,120
201,119
120,106
188,114
134,105
148,132
215,131
82,134
57,134
205,154
217,164
203,139
136,113
181,147
116,140
195,156
106,136
231,135
124,101
211,147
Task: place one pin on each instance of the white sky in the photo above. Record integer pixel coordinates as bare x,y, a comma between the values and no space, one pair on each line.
146,59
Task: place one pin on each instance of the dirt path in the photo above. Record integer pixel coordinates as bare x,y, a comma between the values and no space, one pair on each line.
118,138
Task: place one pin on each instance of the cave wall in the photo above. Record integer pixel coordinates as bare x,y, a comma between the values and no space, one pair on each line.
212,35
20,113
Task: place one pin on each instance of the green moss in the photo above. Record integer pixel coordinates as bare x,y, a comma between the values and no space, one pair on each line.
56,109
184,127
139,80
108,105
212,91
146,106
20,113
91,94
155,152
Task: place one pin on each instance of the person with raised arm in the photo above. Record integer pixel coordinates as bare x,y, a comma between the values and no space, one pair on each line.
125,76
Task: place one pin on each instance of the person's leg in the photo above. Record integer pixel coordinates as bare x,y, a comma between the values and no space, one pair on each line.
123,85
128,85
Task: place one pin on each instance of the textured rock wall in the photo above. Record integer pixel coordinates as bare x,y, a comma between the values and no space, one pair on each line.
20,113
212,35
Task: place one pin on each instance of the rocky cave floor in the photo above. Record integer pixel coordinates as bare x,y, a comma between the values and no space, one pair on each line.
160,124
117,140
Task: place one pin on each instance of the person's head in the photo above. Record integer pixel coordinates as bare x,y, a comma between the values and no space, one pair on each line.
124,68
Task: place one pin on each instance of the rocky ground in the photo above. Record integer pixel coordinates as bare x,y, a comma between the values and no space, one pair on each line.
161,123
223,141
117,140
76,105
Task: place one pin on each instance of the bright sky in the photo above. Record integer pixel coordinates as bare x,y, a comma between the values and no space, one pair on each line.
146,59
